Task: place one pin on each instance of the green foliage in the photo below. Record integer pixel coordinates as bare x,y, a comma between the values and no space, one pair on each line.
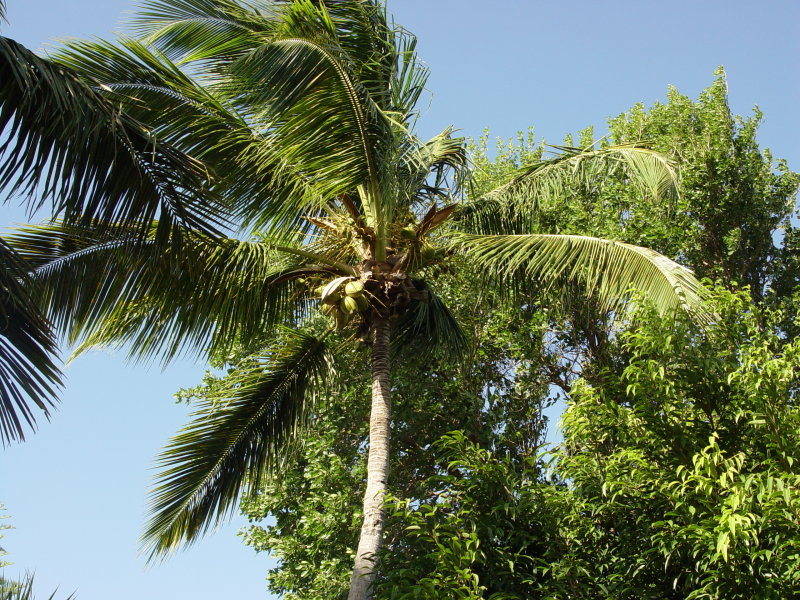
734,196
677,479
677,474
236,436
27,349
479,533
3,563
302,122
17,590
23,590
684,461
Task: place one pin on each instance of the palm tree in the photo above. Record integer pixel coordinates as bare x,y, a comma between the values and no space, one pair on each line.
301,114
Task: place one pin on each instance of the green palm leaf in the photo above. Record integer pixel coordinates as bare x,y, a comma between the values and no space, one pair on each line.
609,269
236,437
320,116
65,143
320,90
198,30
28,373
512,207
258,184
428,325
23,590
330,87
204,295
435,169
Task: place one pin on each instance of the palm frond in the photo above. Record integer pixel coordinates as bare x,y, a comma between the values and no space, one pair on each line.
236,438
610,270
66,144
322,87
329,88
410,76
28,374
199,30
321,117
572,171
257,184
428,325
23,590
203,295
436,168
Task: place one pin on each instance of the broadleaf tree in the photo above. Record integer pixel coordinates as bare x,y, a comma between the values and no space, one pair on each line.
301,114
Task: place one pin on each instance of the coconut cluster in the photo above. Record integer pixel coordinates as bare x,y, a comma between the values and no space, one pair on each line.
342,298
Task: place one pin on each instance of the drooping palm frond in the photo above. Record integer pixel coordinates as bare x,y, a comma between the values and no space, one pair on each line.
572,171
64,143
156,92
236,438
428,326
259,186
199,30
609,269
206,294
28,374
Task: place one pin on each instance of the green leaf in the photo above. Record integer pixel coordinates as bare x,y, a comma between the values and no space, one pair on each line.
65,143
512,207
28,373
609,270
235,439
428,325
203,295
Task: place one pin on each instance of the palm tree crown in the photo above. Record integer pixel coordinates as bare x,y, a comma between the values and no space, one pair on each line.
292,122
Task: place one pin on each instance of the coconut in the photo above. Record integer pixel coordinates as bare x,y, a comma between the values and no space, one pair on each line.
332,292
341,319
408,233
362,302
354,288
428,252
349,305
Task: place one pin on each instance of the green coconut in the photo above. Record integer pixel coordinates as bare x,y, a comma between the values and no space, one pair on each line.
362,302
428,253
354,288
408,233
349,305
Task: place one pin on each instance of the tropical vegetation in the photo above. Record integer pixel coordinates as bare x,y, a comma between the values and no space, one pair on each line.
670,482
253,191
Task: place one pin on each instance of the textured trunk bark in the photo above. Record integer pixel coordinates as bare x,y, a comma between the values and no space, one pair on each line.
364,569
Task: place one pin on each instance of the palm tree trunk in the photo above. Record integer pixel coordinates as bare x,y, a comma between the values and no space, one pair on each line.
364,570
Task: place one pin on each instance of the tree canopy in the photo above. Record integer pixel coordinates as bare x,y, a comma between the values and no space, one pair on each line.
285,219
626,506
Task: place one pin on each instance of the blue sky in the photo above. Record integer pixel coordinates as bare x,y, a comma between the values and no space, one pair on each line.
76,490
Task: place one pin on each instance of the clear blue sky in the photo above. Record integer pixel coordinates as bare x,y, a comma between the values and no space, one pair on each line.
76,490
